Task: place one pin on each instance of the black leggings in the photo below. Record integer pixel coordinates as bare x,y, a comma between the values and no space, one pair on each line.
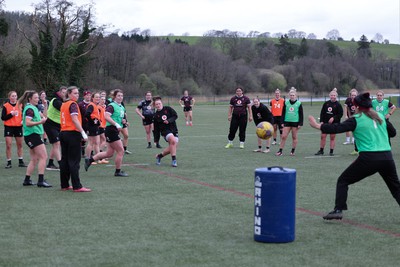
362,168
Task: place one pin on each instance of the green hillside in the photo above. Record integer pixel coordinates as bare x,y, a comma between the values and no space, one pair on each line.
391,50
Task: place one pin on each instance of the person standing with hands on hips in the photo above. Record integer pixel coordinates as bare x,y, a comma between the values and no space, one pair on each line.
383,105
372,133
145,110
239,110
70,138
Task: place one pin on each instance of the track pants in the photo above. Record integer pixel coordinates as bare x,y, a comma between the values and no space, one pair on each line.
363,167
70,158
238,121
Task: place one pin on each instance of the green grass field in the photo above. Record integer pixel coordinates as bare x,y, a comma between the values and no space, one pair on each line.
201,213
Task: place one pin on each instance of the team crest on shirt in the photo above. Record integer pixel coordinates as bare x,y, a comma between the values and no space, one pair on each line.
291,109
239,102
353,108
148,107
164,117
329,109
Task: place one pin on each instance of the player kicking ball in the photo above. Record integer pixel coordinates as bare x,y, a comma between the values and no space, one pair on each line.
165,124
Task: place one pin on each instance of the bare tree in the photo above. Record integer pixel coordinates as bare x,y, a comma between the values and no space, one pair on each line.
378,38
264,35
333,35
277,35
292,34
311,36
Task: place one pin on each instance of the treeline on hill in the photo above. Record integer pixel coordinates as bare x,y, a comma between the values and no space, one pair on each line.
39,53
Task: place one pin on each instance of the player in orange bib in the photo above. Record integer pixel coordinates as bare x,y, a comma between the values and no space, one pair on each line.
70,138
276,109
12,117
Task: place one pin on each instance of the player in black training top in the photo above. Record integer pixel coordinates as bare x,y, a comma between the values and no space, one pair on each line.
331,112
261,113
165,124
145,110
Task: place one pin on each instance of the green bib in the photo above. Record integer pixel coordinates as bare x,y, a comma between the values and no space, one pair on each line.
292,111
370,135
381,107
37,129
53,113
118,114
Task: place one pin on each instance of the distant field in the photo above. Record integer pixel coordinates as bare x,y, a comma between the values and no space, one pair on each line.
391,50
201,213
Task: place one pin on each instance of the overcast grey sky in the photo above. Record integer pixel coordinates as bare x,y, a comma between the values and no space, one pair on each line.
352,18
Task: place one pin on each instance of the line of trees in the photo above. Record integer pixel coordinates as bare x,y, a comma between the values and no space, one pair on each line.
59,44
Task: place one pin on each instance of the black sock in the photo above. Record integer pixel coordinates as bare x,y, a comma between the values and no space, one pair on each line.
280,150
173,157
125,147
9,162
160,155
267,147
259,147
21,160
149,143
27,177
293,149
331,151
91,159
322,150
274,139
117,170
41,178
51,162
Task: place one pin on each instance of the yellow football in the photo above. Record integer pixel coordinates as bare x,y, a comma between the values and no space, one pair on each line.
265,130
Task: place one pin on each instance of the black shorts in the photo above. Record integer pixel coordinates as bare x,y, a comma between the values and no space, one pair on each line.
186,109
93,130
112,134
278,121
101,130
147,121
12,131
52,132
290,124
33,140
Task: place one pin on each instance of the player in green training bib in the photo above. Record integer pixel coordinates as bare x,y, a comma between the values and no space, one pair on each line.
292,121
372,133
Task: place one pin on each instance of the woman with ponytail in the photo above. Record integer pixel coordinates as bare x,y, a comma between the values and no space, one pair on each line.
32,123
372,133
